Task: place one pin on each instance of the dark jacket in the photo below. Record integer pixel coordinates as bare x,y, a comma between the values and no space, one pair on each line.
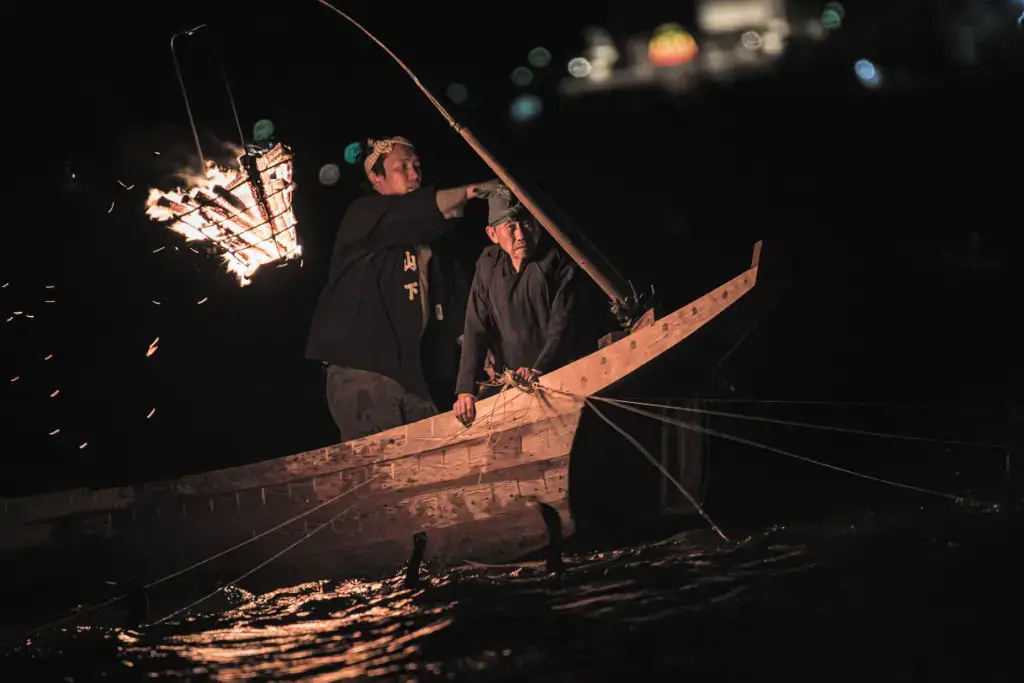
525,318
370,315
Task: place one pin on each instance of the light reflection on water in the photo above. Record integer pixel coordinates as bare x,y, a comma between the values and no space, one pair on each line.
310,632
672,607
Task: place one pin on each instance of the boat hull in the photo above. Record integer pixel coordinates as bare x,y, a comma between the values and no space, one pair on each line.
351,509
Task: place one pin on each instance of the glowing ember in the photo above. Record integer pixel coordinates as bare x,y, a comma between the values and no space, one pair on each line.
251,223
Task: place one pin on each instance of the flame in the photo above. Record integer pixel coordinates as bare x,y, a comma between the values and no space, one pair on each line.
252,224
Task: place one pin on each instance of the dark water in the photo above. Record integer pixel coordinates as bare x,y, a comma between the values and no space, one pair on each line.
923,596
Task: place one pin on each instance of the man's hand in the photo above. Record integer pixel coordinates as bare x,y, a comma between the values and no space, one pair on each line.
528,375
489,361
481,190
452,202
465,409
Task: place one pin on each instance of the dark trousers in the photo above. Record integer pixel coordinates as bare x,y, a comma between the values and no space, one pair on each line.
365,403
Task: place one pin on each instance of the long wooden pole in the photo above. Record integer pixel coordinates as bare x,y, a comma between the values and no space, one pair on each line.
615,290
619,292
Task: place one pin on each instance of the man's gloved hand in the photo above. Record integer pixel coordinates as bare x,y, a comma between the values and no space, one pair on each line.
483,190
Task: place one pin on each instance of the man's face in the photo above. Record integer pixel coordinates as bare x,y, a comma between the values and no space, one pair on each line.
518,237
401,172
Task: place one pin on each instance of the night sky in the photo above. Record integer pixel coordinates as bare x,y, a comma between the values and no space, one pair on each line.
871,197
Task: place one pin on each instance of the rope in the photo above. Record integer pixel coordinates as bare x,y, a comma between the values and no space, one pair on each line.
755,444
261,565
625,405
508,379
790,423
651,459
850,404
106,603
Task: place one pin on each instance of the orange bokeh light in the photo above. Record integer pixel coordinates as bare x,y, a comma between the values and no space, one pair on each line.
671,46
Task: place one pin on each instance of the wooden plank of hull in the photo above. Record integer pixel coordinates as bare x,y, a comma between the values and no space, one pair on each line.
493,519
511,427
448,450
514,452
376,534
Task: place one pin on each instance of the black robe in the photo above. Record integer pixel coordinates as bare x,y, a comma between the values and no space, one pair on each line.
374,314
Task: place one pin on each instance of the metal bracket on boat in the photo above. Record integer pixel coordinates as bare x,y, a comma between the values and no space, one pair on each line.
632,310
419,548
636,313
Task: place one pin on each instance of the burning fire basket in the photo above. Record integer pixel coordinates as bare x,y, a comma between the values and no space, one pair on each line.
247,214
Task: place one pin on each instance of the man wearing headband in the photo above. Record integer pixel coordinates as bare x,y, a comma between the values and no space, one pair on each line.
521,304
385,312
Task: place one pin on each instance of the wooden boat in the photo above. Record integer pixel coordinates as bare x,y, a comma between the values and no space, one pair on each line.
474,491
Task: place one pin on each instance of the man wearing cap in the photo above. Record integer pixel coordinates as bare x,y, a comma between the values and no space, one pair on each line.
385,295
521,304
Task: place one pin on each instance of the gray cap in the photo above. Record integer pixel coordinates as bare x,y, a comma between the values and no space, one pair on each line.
502,205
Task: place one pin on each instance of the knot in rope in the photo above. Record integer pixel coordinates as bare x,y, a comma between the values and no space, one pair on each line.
512,379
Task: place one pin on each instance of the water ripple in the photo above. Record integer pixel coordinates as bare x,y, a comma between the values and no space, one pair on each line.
689,604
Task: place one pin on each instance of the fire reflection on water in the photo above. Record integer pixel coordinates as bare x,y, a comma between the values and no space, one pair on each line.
276,634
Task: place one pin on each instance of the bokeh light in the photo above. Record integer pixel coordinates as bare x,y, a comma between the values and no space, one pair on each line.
353,153
522,76
457,93
539,57
579,67
867,73
832,17
752,40
263,130
671,45
525,108
329,174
